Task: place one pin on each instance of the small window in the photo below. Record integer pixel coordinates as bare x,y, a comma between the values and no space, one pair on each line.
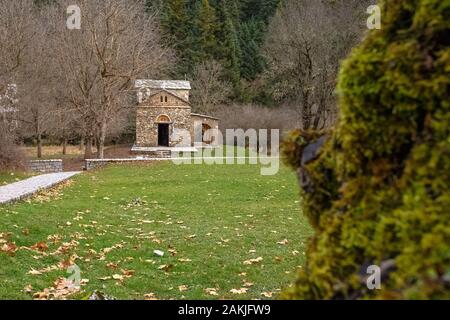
165,98
162,99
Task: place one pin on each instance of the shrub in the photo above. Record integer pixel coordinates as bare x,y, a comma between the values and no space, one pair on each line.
379,192
11,157
256,117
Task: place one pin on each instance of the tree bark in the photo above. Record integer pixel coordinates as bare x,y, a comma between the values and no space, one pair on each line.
38,137
39,145
64,142
82,143
64,150
101,141
88,148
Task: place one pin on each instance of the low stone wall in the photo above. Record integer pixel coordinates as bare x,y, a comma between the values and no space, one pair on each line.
91,164
46,166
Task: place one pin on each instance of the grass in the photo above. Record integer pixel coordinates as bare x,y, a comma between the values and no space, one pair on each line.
54,152
7,177
208,220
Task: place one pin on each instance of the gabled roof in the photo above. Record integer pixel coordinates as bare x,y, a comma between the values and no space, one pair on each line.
204,116
169,93
163,84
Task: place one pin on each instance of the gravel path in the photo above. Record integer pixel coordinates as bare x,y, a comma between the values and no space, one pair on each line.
22,189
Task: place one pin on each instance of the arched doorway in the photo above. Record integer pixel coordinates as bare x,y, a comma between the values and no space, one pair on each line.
206,134
163,122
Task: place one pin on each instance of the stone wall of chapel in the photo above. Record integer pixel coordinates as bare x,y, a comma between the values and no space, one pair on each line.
147,127
183,94
197,123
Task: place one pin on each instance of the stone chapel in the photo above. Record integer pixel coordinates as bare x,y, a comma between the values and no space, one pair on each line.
164,116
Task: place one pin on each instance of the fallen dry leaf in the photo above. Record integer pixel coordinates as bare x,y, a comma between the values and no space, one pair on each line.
34,272
150,296
253,261
118,277
61,290
211,291
9,248
173,252
28,289
267,294
166,267
68,262
278,259
127,273
112,265
183,288
239,291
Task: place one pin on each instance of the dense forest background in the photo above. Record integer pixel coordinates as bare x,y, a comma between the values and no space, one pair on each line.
269,64
263,53
230,32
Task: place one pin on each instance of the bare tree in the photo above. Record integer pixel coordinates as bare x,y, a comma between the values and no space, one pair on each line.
208,89
77,81
66,124
251,116
26,59
16,36
307,40
10,155
39,81
16,31
118,42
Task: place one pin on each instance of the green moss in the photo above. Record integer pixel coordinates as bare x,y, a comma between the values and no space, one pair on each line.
381,186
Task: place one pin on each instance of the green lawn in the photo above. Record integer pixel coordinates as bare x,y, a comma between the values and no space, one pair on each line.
209,220
7,177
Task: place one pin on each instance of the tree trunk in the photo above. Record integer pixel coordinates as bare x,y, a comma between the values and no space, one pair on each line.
64,150
64,142
101,141
38,136
39,145
88,148
82,143
97,148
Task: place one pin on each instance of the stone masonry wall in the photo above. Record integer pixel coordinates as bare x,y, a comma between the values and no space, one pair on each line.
92,164
147,127
46,166
196,127
184,94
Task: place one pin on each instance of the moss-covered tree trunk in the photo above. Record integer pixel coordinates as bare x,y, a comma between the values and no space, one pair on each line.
378,193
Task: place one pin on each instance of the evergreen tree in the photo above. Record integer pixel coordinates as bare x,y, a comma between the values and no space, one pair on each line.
176,25
252,62
206,26
229,31
231,52
261,10
234,12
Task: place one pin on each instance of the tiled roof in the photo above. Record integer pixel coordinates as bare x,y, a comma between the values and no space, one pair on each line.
203,116
164,84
